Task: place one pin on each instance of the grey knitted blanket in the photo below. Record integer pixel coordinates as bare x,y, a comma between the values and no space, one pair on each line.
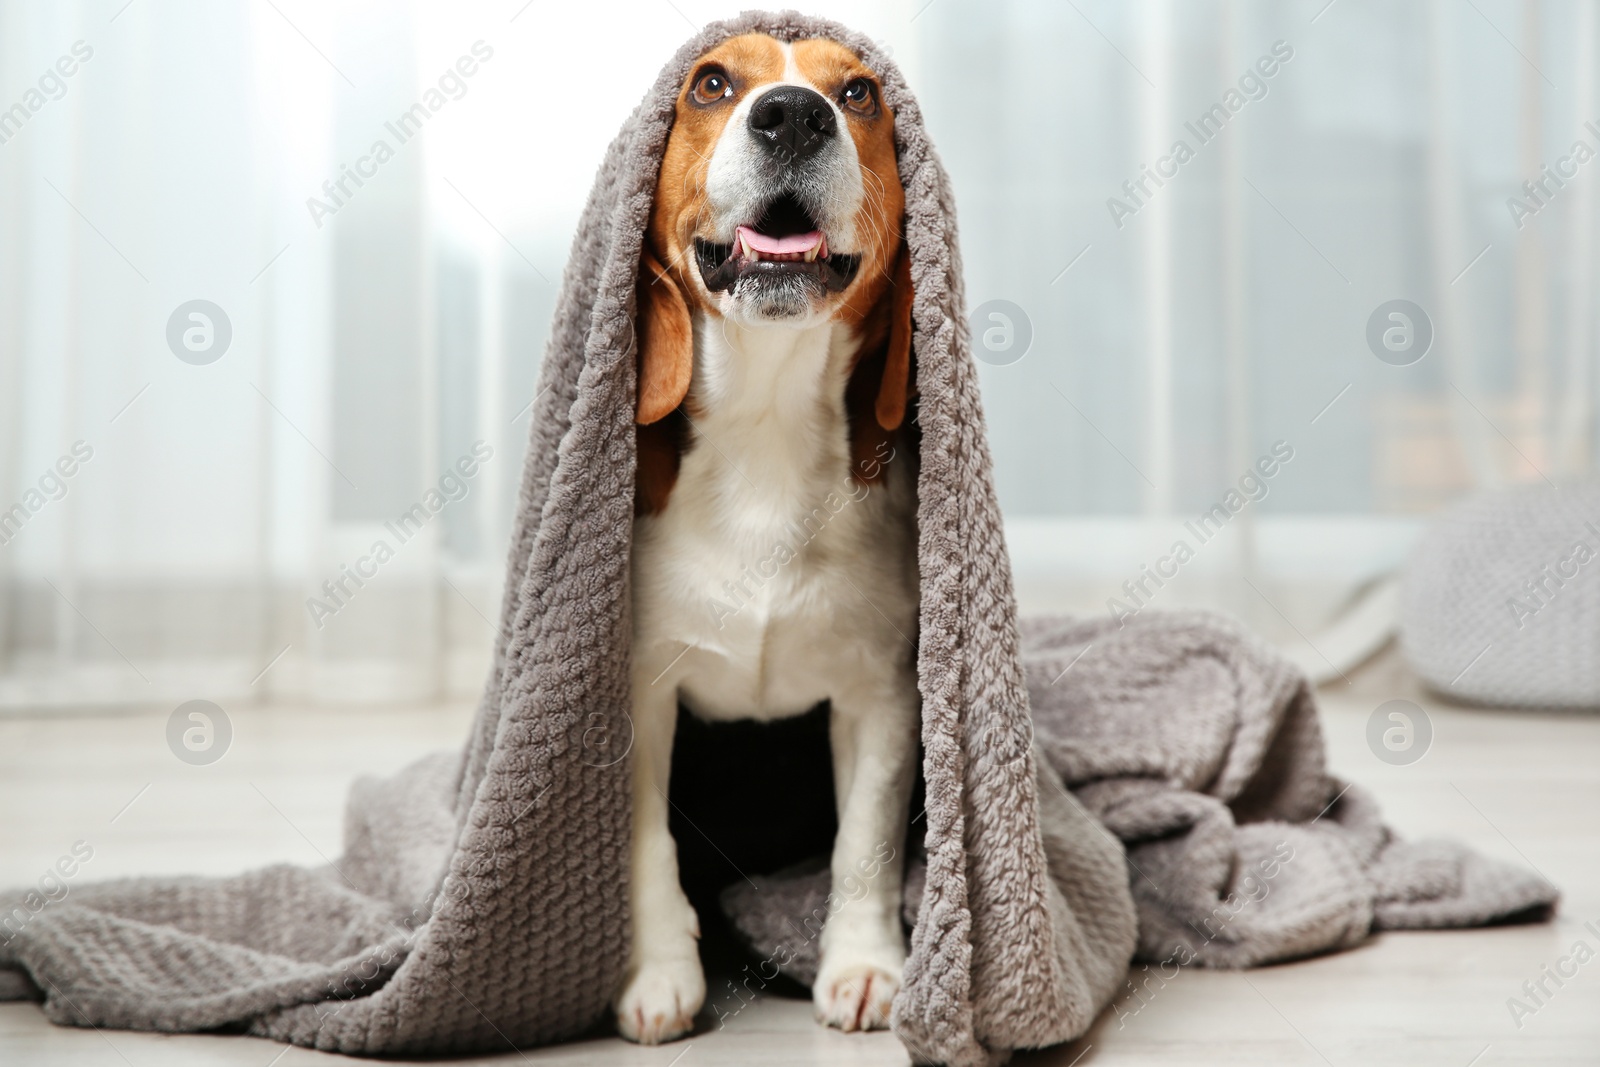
480,902
1200,749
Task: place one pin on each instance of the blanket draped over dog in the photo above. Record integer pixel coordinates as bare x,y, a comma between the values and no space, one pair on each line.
481,901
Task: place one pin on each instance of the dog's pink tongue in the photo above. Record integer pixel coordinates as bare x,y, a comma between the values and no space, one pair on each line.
778,246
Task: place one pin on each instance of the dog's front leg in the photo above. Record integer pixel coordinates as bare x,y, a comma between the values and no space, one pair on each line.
874,739
665,985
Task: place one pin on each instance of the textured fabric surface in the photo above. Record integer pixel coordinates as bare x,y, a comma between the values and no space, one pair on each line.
1500,602
1200,749
481,900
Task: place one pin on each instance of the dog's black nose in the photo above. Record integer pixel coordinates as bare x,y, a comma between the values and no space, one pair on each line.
793,123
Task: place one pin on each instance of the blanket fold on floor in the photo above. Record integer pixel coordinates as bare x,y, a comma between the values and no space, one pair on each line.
481,900
1200,749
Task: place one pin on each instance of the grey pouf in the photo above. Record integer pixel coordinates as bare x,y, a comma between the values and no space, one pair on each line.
1501,599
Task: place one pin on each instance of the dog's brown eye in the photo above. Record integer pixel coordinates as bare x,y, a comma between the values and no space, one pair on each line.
712,86
858,95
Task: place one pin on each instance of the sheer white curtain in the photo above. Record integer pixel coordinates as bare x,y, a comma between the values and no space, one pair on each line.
387,308
1183,325
319,510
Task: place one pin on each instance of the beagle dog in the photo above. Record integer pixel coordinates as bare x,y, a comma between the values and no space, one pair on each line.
774,559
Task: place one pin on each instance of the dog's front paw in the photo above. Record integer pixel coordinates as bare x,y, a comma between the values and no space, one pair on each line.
855,994
660,999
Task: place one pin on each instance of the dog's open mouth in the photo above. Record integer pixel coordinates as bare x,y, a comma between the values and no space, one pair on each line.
784,241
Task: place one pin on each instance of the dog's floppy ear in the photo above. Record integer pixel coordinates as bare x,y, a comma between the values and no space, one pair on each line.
666,342
890,408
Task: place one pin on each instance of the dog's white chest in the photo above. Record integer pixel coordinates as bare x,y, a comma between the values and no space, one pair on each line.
772,579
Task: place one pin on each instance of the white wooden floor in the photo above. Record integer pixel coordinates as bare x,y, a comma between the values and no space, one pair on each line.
1520,786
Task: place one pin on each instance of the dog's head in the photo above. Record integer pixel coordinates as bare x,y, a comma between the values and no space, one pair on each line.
778,204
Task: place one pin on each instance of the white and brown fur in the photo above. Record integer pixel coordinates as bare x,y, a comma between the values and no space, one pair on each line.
774,560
